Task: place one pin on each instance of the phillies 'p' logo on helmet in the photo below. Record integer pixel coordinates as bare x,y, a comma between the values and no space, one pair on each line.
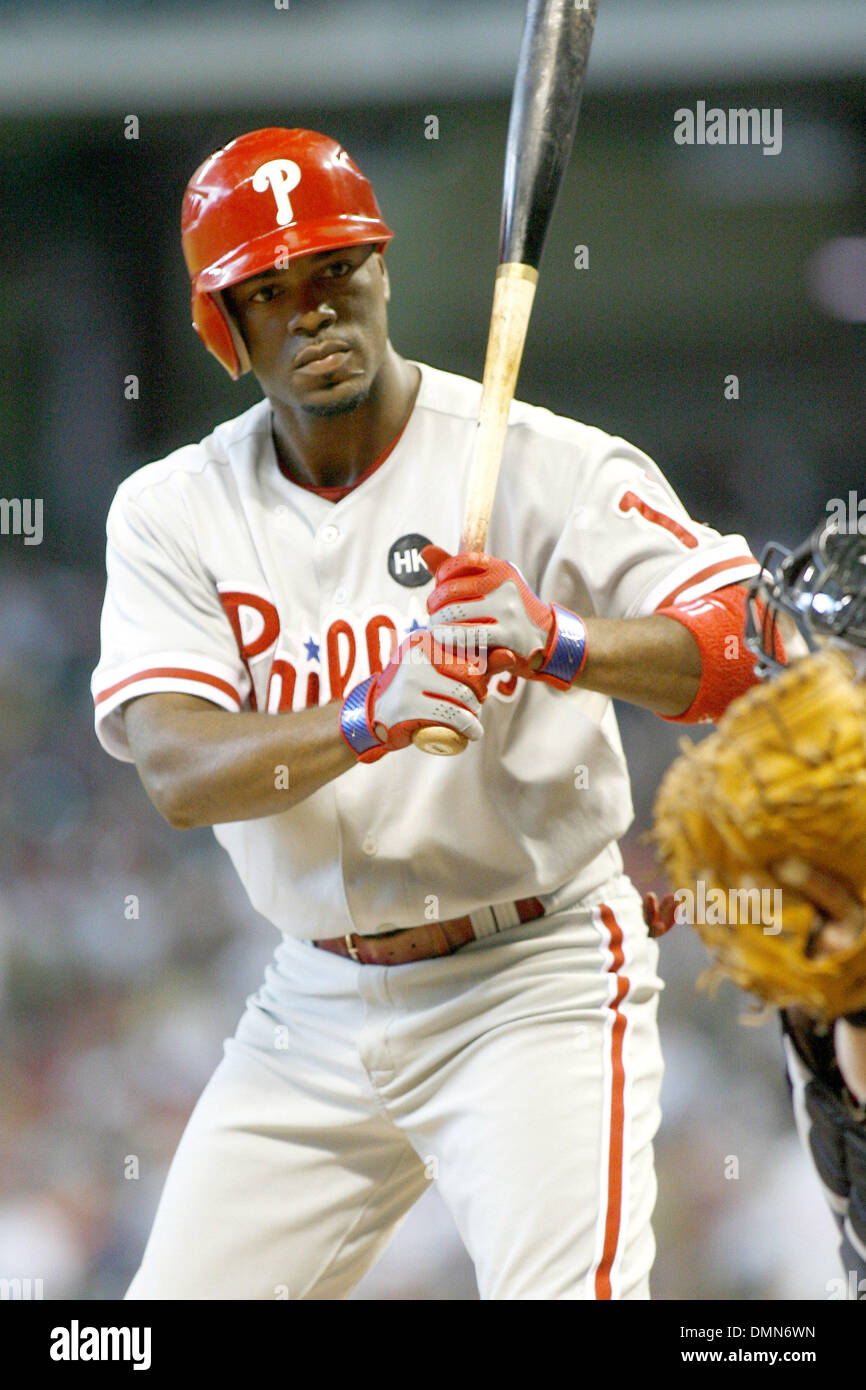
262,200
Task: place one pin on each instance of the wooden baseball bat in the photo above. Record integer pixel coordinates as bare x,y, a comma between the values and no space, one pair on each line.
545,104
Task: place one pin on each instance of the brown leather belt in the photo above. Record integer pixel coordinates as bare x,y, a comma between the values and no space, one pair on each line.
420,943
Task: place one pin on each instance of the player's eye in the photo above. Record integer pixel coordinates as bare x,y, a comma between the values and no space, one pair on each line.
264,295
337,270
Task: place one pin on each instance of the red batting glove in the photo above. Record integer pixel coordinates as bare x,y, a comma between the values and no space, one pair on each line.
422,685
491,604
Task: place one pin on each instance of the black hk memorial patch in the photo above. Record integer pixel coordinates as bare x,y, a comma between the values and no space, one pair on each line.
405,563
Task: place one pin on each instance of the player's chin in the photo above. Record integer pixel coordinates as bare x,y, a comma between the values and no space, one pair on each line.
340,399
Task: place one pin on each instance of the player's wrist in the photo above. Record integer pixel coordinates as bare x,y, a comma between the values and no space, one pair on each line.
566,652
356,722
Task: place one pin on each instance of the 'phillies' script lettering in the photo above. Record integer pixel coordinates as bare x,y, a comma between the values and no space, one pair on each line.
292,671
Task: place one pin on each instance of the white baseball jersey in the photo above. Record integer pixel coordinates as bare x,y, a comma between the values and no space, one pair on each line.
229,581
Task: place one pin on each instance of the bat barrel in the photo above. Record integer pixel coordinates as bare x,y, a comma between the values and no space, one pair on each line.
547,93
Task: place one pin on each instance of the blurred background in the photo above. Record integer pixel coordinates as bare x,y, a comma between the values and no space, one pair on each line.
703,263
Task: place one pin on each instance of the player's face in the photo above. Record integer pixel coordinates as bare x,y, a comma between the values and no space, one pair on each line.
316,331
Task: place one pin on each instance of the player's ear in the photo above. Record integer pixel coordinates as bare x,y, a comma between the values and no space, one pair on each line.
385,277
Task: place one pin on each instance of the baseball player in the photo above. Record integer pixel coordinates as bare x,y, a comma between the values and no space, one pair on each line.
464,990
819,589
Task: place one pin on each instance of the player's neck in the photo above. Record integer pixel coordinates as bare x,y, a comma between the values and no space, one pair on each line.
334,451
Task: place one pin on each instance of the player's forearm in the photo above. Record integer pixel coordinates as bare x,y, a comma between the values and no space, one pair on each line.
850,1045
206,767
654,662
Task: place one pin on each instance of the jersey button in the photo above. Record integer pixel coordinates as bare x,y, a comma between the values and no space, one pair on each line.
329,534
370,845
340,596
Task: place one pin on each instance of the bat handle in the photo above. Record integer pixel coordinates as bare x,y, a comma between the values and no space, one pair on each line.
439,739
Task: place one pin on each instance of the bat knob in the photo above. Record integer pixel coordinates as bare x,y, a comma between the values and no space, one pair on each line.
439,740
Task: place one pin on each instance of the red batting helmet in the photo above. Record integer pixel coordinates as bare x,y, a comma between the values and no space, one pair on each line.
264,199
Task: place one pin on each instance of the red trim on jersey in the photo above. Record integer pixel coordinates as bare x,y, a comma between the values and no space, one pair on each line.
336,494
613,1215
701,575
630,501
169,673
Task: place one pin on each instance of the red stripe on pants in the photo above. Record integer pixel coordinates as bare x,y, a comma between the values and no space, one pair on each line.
613,1217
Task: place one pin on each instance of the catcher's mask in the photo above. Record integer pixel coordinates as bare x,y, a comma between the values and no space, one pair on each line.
821,586
268,197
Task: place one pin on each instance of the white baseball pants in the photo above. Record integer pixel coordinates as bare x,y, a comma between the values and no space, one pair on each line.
521,1074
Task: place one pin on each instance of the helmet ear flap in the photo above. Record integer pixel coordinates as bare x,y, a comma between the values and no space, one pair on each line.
219,333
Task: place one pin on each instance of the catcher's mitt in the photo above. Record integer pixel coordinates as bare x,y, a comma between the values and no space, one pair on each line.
783,776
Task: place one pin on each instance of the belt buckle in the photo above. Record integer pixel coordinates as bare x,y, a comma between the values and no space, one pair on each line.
352,948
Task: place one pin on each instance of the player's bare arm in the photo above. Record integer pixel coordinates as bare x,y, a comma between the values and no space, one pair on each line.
850,1043
660,661
654,662
203,766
